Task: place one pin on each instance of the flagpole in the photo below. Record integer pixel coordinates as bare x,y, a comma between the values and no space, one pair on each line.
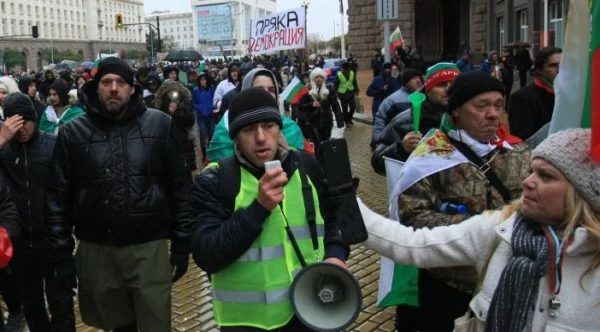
342,37
545,23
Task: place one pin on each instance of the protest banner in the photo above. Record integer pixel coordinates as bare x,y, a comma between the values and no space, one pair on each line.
279,31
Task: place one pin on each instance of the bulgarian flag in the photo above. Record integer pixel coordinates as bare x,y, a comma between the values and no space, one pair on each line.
396,40
577,90
294,91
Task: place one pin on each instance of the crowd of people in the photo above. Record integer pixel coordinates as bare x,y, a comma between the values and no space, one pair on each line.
111,178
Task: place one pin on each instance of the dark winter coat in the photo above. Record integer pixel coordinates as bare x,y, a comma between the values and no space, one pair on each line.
183,117
118,181
390,140
320,117
529,110
222,236
377,91
26,167
9,215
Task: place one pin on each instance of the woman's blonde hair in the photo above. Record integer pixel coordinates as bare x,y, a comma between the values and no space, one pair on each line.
578,213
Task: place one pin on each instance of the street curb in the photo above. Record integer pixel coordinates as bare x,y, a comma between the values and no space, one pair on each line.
362,118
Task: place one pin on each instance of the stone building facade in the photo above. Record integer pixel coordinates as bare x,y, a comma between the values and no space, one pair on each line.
436,27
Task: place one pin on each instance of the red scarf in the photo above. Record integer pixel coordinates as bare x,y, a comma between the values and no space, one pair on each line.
505,136
543,84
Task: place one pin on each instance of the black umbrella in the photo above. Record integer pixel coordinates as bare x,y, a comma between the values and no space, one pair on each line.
183,55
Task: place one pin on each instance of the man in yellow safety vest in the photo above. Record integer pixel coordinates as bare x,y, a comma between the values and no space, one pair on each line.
347,90
255,229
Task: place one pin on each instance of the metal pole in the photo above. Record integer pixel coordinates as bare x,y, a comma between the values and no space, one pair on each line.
342,37
545,23
158,29
386,40
151,45
51,50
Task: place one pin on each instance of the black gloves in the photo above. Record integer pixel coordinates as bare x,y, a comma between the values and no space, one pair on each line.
179,261
180,252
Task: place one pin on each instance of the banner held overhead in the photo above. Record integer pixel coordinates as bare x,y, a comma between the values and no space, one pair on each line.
279,31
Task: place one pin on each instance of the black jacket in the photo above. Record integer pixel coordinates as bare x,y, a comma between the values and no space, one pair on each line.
184,117
529,109
320,117
9,215
221,237
26,167
390,141
118,181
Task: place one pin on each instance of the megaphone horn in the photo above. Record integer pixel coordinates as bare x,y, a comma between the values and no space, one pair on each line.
325,297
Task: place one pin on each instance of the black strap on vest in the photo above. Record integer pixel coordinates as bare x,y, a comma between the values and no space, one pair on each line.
309,204
484,168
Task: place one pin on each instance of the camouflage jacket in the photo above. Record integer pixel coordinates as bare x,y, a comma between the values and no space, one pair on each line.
463,184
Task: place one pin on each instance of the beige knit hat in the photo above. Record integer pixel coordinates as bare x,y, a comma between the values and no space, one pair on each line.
569,151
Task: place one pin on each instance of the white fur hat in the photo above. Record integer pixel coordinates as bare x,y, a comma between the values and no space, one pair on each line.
317,72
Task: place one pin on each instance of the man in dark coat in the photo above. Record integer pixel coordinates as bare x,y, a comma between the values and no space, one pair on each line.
531,107
119,183
25,157
523,63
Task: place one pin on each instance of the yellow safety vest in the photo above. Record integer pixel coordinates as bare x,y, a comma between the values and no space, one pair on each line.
345,84
253,291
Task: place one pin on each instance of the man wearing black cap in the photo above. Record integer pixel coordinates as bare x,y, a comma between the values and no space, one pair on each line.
60,110
470,161
241,210
118,179
347,89
25,157
28,86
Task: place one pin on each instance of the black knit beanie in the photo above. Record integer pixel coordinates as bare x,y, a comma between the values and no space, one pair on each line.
18,103
250,106
61,90
409,74
469,84
116,66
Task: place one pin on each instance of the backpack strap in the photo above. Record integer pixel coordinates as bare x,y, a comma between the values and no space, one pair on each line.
307,197
230,178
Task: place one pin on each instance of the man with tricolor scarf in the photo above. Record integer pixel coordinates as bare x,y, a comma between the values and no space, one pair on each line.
531,107
457,164
255,229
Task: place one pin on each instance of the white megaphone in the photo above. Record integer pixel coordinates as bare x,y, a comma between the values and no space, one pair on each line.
325,297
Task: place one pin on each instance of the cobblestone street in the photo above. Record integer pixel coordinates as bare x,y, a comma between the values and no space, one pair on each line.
192,308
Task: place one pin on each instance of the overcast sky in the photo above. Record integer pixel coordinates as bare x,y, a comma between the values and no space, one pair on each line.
322,14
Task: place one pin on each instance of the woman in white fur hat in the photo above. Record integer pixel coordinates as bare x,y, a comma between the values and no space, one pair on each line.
7,86
538,258
317,107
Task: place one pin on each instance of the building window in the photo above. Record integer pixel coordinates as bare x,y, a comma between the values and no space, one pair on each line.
523,25
556,21
500,24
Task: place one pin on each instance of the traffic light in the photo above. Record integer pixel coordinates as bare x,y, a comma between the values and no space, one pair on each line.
119,21
34,31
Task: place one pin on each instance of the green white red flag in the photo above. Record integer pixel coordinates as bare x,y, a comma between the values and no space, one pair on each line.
577,90
396,40
294,91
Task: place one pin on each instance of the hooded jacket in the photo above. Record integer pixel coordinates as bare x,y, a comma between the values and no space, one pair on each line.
183,117
202,99
381,87
222,146
225,86
118,178
24,84
46,83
